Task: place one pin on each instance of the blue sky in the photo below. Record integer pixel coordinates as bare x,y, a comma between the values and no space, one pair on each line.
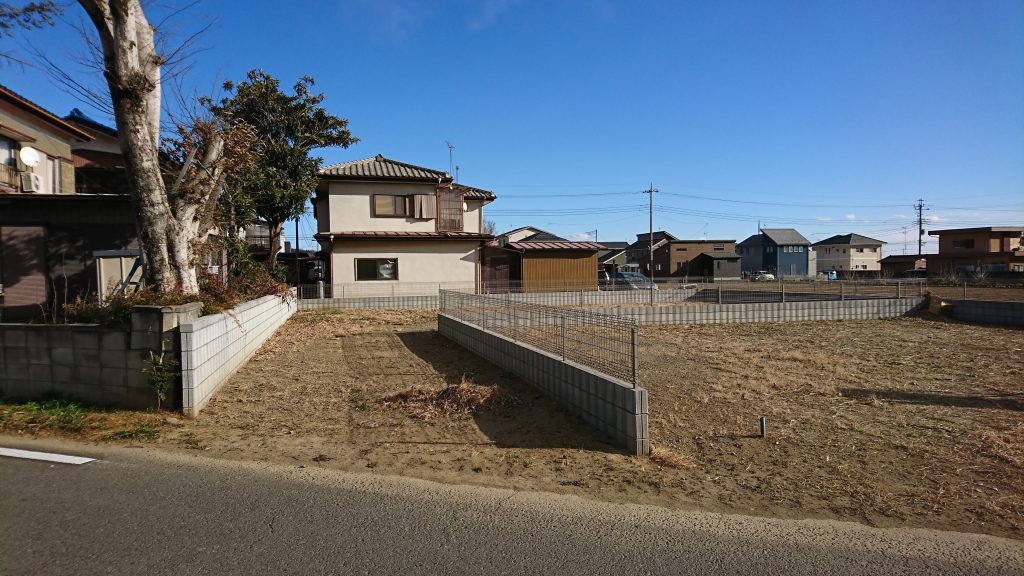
823,116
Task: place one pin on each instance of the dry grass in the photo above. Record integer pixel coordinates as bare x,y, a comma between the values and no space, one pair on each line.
426,403
669,459
69,419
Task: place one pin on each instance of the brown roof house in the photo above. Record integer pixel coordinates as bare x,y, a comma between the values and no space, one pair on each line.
998,249
534,260
675,258
53,223
387,227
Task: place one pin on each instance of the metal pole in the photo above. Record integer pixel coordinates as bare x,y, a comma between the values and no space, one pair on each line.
783,286
965,289
634,341
842,291
719,294
650,236
296,252
899,290
563,336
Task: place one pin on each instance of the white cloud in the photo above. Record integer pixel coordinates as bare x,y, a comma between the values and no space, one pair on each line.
934,218
580,236
851,216
490,11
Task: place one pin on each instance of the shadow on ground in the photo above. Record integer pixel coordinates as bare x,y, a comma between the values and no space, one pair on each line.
532,421
938,398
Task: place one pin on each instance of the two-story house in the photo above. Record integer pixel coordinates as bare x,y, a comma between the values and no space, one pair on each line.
781,251
975,250
384,223
638,254
849,254
50,227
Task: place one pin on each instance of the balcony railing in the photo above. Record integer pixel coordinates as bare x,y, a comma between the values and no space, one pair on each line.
9,176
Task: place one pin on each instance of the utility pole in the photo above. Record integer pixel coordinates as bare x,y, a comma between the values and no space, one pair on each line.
904,240
920,225
650,235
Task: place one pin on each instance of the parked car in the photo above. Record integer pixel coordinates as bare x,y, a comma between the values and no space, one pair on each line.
624,281
763,276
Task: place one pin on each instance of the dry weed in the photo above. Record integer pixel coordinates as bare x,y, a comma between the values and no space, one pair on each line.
669,459
426,403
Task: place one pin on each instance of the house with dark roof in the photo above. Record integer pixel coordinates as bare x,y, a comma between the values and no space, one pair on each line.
674,257
849,254
534,260
638,254
613,257
57,214
973,251
385,224
781,251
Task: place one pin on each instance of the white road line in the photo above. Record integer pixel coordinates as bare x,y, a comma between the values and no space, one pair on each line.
45,456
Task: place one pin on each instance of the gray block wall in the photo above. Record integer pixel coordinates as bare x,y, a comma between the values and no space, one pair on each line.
610,405
989,312
214,347
769,311
88,363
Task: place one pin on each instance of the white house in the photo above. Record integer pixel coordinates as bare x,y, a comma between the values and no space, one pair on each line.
392,227
849,252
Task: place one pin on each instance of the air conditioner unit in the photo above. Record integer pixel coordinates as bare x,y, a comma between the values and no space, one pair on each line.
31,182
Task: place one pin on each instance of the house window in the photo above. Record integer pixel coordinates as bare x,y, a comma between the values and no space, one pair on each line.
681,249
376,269
967,244
388,206
718,247
860,250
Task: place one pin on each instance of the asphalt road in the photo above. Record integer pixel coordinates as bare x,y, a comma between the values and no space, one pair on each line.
141,512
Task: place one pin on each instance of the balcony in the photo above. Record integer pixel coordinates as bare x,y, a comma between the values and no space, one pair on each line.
9,176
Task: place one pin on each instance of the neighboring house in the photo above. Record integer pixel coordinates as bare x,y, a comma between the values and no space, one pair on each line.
613,257
638,254
50,227
715,266
257,236
846,253
384,222
781,251
978,250
899,265
534,260
678,258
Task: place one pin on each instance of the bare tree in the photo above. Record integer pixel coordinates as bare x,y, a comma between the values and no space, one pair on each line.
169,212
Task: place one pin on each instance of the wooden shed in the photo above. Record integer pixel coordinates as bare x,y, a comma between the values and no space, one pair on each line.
541,266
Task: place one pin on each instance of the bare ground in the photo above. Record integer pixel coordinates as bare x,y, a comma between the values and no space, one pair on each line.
908,422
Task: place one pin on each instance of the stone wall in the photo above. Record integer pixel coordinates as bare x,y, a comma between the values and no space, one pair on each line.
612,406
214,347
988,312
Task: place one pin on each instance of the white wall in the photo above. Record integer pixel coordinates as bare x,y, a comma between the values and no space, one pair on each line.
833,258
418,260
350,207
214,347
473,219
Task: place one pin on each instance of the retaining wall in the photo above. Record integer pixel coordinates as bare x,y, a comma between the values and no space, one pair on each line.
610,405
214,347
768,312
988,312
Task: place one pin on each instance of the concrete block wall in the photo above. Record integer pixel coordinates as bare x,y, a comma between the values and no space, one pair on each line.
214,347
769,311
85,362
988,312
610,405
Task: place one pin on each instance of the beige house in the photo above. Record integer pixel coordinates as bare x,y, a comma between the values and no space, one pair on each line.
847,253
395,228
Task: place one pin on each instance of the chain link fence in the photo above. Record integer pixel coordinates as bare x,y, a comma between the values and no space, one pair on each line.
604,343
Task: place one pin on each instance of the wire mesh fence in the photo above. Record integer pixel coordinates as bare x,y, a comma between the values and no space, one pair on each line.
605,343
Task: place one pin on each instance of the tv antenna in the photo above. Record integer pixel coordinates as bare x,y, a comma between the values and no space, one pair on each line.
451,162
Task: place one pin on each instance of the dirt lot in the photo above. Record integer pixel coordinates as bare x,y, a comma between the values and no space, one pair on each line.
901,422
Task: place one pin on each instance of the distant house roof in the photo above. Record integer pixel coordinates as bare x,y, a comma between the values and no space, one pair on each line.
555,245
720,255
31,107
373,234
849,239
616,245
787,236
753,240
610,254
78,117
473,193
985,229
643,240
897,258
381,168
544,236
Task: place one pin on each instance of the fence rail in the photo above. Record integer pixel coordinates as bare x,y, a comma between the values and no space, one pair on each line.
602,342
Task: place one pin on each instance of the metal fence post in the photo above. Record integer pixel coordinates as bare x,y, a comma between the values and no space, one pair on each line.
634,343
719,294
899,290
965,289
562,318
920,288
842,291
320,289
783,286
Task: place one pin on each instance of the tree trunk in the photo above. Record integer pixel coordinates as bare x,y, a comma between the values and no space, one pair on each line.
165,223
276,230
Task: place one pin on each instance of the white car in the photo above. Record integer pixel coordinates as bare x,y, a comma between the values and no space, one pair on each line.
763,276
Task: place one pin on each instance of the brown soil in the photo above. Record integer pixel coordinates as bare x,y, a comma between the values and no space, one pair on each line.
902,422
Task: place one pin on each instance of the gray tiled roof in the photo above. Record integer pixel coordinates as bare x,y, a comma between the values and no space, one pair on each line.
552,245
784,236
380,167
474,193
849,239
